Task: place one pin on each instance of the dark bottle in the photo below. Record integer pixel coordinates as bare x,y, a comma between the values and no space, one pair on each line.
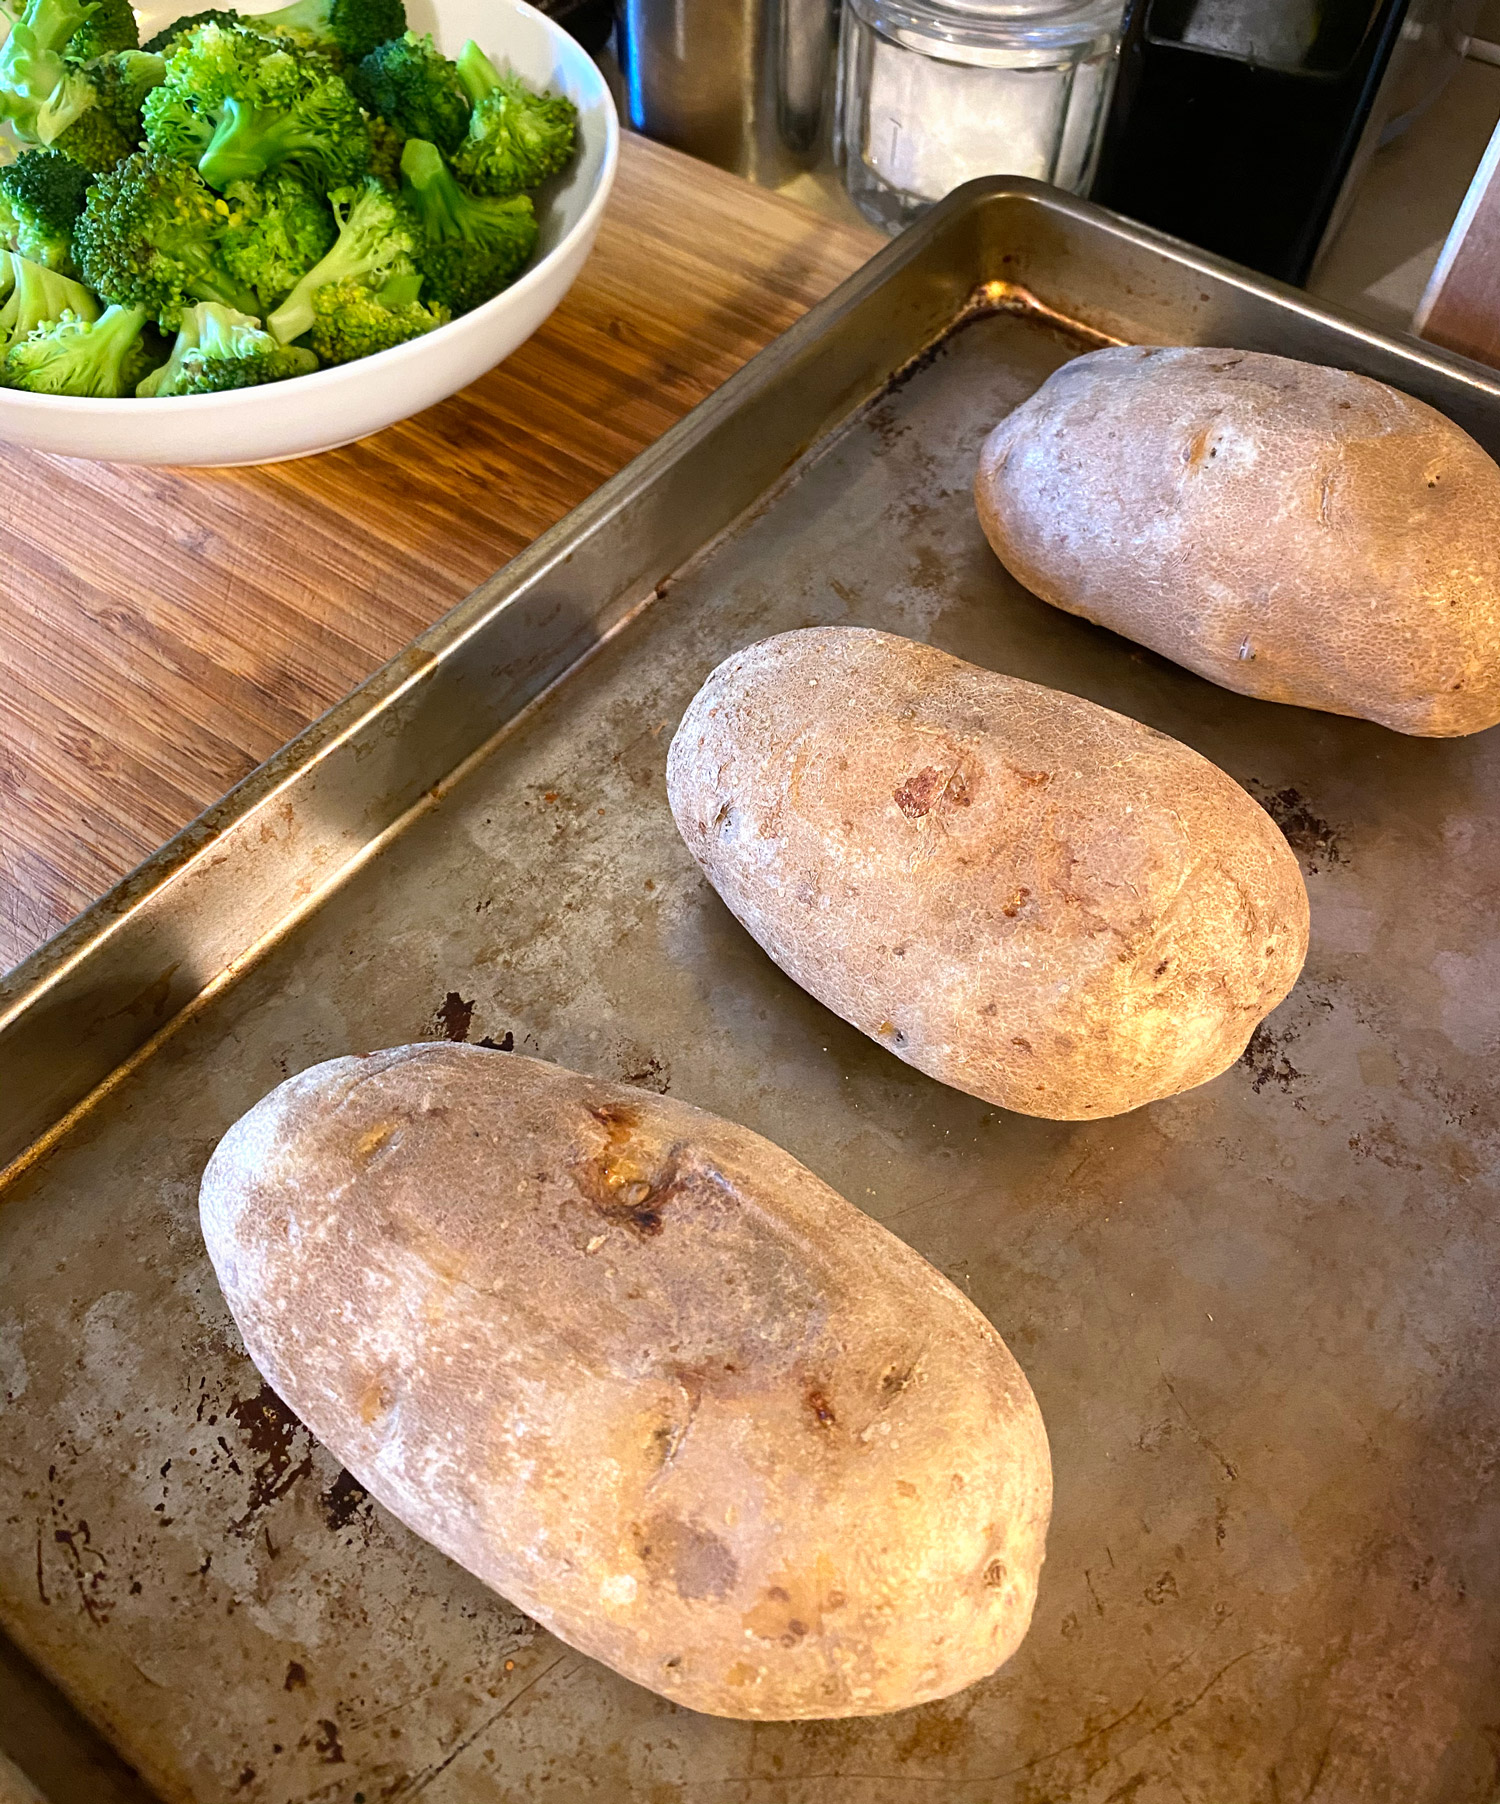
1234,122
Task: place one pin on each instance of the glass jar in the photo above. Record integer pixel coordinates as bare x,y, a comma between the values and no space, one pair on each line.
934,92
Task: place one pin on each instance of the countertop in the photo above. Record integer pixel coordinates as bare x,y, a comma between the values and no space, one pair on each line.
163,631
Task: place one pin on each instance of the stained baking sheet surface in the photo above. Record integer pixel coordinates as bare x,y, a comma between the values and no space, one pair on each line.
1259,1318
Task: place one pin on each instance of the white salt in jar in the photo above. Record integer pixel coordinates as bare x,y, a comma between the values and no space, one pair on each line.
932,94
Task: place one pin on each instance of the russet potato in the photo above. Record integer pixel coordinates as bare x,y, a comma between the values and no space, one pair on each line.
1023,894
1292,532
642,1372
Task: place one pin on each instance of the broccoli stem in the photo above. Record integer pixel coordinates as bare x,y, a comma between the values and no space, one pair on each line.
477,73
248,141
422,165
364,248
207,280
114,339
302,15
39,93
75,357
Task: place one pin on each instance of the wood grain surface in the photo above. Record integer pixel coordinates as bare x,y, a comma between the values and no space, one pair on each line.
163,631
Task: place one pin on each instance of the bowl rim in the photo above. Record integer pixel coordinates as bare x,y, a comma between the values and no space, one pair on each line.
25,401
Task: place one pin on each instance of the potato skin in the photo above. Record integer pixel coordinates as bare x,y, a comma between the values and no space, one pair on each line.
1022,894
642,1372
1291,532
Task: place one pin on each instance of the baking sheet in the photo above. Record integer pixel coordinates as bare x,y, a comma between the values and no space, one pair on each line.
1259,1317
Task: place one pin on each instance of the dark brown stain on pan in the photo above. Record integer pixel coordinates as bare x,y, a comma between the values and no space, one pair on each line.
453,1017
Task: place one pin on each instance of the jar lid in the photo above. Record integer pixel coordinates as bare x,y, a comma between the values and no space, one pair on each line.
1039,24
1027,11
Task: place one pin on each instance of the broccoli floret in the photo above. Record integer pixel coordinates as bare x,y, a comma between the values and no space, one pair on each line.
279,227
109,128
218,348
74,356
40,93
375,240
516,137
470,247
343,29
37,297
110,26
152,234
41,196
362,297
238,104
386,141
166,40
351,320
408,83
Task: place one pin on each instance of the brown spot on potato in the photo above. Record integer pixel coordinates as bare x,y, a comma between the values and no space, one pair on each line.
375,1139
628,1183
666,1438
994,1574
821,1408
1017,902
693,1560
374,1400
1200,448
895,1379
930,791
916,795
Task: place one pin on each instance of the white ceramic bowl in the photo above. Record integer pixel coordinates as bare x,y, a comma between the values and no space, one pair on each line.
334,406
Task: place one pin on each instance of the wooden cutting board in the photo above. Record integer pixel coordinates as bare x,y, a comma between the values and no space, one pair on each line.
163,631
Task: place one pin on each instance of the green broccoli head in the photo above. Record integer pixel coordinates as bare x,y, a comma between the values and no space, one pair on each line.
351,320
217,349
166,40
152,234
471,246
75,356
110,26
110,128
36,296
237,104
41,196
408,83
279,227
343,29
376,238
41,93
516,137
